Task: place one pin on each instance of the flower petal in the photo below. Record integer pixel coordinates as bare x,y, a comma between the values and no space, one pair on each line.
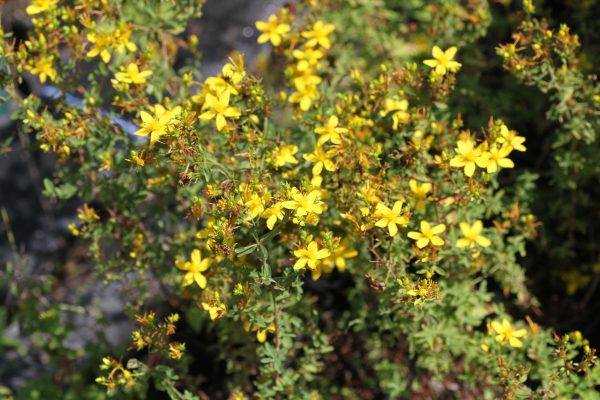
422,243
460,243
514,342
437,241
200,280
450,52
436,230
469,169
392,229
483,241
414,235
300,264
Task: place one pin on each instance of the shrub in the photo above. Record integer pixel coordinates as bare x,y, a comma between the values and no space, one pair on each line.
324,225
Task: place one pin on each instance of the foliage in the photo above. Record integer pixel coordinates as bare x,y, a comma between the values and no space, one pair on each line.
328,225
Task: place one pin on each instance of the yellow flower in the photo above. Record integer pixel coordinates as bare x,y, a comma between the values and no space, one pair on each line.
428,235
44,69
272,214
443,60
336,259
398,108
194,269
40,6
331,131
284,155
310,255
219,109
100,45
321,158
341,253
106,157
132,74
424,289
304,95
261,334
121,39
136,158
234,70
176,350
498,157
305,204
511,138
472,235
215,310
506,333
157,125
103,42
73,229
232,74
216,84
307,59
255,206
420,193
390,218
307,78
319,35
87,214
421,141
369,193
273,31
468,156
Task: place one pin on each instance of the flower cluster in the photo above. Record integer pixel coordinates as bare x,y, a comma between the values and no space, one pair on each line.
251,209
488,155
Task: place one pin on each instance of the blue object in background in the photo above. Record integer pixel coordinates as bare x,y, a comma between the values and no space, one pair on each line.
51,94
